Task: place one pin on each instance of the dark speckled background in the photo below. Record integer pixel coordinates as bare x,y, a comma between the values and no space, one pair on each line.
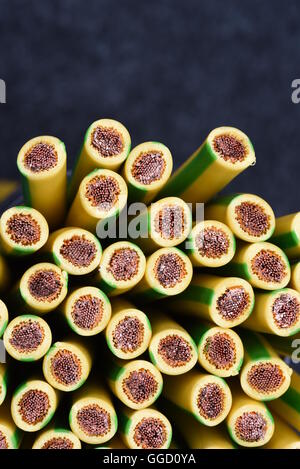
169,70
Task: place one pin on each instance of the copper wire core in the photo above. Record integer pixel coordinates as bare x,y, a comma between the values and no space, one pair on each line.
23,229
3,441
150,433
148,167
212,242
140,386
27,336
87,312
79,251
251,427
40,157
286,310
265,377
220,351
34,406
128,334
170,270
124,264
210,401
170,222
66,367
229,148
45,285
94,420
233,303
58,442
175,350
103,192
108,141
252,218
268,266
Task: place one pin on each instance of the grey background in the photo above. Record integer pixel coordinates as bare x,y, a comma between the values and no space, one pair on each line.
169,70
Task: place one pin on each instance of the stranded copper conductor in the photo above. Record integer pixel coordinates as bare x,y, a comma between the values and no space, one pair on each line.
41,157
286,310
251,427
170,222
66,367
45,285
3,441
252,218
212,242
175,350
34,406
268,266
150,433
210,401
229,148
108,141
27,336
233,303
140,386
148,167
94,420
79,251
169,270
220,351
123,264
265,377
23,229
128,334
102,192
58,443
87,312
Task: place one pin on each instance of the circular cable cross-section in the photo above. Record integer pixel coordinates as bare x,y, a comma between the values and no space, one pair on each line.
207,397
225,301
122,267
211,244
102,194
146,429
263,264
23,230
27,338
42,162
128,333
92,416
168,272
43,287
172,350
67,365
146,170
249,422
137,383
75,250
265,379
221,352
276,312
248,216
87,311
33,405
